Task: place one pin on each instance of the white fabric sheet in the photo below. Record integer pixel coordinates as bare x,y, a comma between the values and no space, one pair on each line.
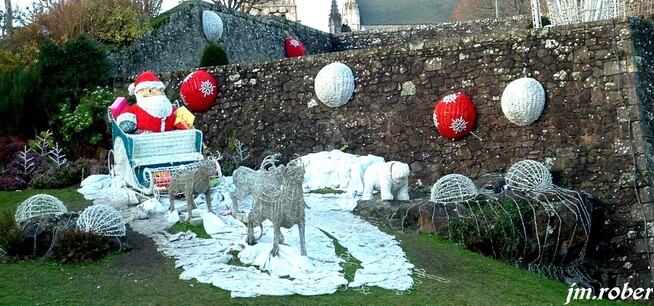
211,261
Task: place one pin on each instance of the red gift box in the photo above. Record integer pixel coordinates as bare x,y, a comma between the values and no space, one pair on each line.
118,106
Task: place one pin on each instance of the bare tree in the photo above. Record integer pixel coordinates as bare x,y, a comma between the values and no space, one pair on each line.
241,5
9,18
148,8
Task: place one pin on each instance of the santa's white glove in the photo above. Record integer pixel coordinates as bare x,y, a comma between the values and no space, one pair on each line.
127,122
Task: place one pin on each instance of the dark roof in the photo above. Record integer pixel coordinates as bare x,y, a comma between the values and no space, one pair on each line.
394,12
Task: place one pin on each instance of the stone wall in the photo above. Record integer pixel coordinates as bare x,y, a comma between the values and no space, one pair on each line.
384,36
643,41
590,133
178,42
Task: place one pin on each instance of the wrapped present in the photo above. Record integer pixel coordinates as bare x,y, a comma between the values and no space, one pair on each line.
162,179
184,119
118,106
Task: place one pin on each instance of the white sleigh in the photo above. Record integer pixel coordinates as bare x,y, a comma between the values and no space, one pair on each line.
147,161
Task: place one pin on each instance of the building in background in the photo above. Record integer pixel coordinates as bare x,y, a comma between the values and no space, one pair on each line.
393,15
361,15
351,16
335,18
283,8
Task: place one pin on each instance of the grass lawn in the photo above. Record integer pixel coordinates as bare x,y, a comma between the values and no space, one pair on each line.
134,279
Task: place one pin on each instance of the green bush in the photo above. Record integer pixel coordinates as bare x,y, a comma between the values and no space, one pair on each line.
75,246
118,24
228,166
51,175
544,21
31,97
20,103
85,127
67,73
214,55
11,236
68,70
490,227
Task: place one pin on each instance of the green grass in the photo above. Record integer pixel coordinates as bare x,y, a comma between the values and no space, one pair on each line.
326,190
183,227
351,264
116,280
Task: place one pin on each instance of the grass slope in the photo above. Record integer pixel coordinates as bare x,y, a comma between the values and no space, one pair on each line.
132,279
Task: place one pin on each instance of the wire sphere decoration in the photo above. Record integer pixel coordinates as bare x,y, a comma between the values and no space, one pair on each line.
39,205
103,220
453,188
529,175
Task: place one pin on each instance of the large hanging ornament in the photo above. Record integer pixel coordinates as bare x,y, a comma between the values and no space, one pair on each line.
212,26
199,90
334,84
293,47
454,115
523,101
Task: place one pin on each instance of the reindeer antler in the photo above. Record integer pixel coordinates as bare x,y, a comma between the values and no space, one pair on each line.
270,160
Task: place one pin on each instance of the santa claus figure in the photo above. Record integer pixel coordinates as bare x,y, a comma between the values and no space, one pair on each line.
152,112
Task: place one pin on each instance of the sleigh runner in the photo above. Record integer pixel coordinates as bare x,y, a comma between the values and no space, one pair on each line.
147,161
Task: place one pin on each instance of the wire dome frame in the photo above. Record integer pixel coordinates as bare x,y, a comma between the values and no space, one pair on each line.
453,188
529,175
39,205
103,220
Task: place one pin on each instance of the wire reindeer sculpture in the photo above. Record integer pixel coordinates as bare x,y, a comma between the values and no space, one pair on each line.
193,181
245,178
277,196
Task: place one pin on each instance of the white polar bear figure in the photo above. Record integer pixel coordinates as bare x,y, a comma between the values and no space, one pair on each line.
390,178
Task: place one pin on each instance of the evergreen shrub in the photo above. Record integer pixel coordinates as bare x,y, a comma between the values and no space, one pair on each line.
214,55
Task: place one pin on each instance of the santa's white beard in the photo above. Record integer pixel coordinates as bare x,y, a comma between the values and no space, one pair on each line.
157,106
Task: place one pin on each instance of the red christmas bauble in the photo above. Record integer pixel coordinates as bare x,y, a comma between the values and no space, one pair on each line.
294,47
199,90
454,115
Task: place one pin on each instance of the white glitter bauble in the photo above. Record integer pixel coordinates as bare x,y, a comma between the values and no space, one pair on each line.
523,101
334,84
212,26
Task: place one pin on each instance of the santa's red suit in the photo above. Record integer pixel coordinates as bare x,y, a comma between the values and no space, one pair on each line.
147,122
152,112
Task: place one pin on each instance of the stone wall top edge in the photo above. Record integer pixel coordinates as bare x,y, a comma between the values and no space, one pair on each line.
272,20
435,26
458,42
490,22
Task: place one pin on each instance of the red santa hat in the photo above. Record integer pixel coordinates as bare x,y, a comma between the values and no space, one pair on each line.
147,79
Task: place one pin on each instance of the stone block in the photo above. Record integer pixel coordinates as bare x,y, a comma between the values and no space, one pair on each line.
644,245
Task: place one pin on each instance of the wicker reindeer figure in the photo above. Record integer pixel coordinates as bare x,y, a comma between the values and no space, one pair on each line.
277,196
193,181
245,179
